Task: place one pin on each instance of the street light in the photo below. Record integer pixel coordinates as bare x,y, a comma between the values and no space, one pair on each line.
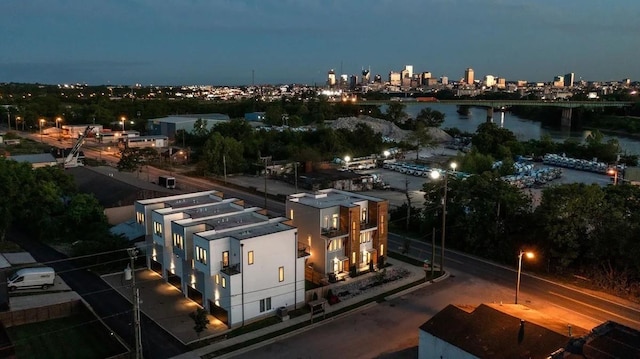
435,174
41,123
529,255
58,121
614,172
17,119
122,121
346,161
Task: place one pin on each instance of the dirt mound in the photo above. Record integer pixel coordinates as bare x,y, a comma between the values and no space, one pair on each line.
384,127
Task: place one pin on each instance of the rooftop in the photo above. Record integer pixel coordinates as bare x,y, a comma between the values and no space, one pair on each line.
255,229
331,198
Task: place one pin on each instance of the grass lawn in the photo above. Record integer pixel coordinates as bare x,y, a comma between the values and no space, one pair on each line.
78,336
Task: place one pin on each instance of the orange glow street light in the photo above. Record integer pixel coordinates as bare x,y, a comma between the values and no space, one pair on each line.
529,255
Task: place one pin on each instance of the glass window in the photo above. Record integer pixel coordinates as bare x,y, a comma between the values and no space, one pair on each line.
364,215
140,217
281,274
225,259
268,303
157,228
290,214
262,303
334,221
250,259
224,282
177,241
201,255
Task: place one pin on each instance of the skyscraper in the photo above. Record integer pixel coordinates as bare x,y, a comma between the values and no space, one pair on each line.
331,78
468,76
568,79
366,76
409,70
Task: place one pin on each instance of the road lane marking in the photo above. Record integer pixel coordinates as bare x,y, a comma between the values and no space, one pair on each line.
594,307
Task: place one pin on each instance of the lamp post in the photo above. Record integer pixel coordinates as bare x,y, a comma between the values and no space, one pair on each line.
123,120
346,161
435,174
614,172
17,119
41,123
529,255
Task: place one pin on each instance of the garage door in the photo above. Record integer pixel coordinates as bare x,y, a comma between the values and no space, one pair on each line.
194,295
219,313
174,280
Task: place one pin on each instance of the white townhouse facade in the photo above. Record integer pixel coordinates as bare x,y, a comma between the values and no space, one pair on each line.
235,262
346,232
249,270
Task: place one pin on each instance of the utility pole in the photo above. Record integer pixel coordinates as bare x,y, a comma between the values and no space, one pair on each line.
266,160
133,252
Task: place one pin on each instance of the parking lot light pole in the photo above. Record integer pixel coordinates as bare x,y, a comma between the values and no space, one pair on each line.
529,255
435,174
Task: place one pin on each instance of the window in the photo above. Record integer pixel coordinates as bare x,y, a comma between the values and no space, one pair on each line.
217,278
140,217
291,214
201,255
326,222
157,228
335,245
225,259
281,274
224,282
334,221
382,249
381,224
353,257
364,215
250,259
265,304
178,241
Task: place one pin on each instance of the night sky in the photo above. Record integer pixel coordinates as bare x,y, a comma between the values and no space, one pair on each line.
220,42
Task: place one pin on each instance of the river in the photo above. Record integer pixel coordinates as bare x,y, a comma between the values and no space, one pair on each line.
522,128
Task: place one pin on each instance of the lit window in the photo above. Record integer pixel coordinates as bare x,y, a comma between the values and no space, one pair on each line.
281,274
178,241
217,278
224,282
382,249
157,228
225,259
250,259
353,257
381,224
201,255
291,214
140,217
364,215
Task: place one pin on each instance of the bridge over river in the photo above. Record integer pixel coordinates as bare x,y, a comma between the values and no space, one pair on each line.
490,105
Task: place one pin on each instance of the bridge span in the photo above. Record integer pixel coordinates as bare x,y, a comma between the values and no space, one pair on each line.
490,105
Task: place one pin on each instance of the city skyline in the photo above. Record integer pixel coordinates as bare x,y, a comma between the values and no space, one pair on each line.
248,41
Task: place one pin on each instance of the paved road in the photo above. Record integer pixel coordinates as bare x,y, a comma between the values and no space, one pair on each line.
105,301
596,307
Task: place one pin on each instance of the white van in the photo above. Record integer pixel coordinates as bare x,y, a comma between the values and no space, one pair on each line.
42,277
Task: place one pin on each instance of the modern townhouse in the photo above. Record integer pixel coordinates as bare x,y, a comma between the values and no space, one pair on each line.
346,232
236,262
157,246
248,267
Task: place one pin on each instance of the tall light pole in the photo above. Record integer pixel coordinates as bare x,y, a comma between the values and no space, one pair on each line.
123,120
614,172
133,253
346,161
41,123
435,174
529,255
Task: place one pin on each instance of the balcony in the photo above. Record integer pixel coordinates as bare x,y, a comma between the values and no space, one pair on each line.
303,250
367,225
230,269
333,233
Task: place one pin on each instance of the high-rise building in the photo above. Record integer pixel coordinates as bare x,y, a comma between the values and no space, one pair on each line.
501,82
377,79
558,81
468,76
409,70
568,79
444,80
366,76
353,82
489,80
394,78
331,78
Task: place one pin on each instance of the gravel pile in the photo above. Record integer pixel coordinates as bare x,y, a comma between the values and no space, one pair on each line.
384,127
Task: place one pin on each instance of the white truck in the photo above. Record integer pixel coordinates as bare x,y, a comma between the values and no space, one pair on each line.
42,277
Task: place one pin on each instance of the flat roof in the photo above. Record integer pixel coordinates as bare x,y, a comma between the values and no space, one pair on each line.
215,209
35,158
235,220
183,198
331,198
192,118
274,225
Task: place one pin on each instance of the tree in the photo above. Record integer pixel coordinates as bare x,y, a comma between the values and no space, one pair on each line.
200,319
219,151
421,137
430,118
396,112
133,158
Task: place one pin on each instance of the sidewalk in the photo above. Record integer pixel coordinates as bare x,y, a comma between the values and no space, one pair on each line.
414,274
